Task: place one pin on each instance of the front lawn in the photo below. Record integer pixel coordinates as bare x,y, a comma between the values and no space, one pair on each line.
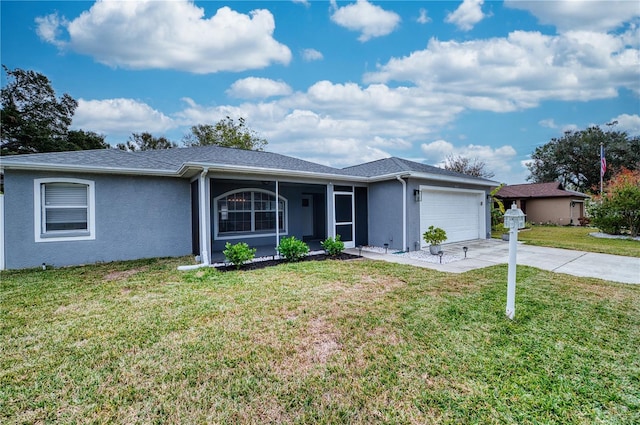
574,237
354,342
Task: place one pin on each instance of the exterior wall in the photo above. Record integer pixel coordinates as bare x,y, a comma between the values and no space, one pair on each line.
554,210
385,214
292,192
136,217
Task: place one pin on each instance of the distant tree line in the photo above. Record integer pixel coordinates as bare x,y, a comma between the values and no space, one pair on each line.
33,120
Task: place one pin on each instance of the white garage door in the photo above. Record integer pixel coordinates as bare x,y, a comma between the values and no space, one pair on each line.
459,212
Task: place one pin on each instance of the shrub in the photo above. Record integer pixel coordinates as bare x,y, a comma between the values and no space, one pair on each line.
292,249
434,235
333,246
239,253
619,208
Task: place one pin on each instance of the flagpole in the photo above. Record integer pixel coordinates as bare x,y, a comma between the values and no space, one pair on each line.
601,167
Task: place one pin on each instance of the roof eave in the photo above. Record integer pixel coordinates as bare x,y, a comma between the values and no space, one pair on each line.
88,169
191,166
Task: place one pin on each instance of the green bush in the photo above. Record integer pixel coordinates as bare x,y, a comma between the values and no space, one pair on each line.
292,249
434,235
333,246
239,253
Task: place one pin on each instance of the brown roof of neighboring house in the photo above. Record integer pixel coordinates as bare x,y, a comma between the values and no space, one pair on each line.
537,190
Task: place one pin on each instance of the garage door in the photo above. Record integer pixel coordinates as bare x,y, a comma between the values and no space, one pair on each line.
459,212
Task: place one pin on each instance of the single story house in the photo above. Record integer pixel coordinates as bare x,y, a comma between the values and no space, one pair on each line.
80,207
545,202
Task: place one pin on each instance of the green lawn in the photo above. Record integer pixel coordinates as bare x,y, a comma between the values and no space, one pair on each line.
574,237
354,342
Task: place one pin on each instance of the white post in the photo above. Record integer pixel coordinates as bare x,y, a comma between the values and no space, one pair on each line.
204,217
511,275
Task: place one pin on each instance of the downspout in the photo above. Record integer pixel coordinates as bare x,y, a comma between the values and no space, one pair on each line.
277,214
404,212
204,220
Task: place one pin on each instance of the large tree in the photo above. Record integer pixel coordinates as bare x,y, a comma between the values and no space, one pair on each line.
83,140
33,118
144,142
470,166
225,133
574,158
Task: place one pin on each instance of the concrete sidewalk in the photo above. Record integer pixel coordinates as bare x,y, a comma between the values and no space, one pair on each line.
489,252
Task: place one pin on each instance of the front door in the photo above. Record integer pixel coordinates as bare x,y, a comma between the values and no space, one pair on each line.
307,217
344,216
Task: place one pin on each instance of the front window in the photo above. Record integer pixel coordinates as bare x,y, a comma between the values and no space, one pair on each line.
64,209
250,211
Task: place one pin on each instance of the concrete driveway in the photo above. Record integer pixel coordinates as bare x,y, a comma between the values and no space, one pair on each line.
484,253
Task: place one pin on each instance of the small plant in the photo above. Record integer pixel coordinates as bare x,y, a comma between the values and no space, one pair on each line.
434,235
292,249
239,253
333,246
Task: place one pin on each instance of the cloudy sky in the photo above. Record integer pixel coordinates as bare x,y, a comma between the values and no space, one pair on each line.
341,83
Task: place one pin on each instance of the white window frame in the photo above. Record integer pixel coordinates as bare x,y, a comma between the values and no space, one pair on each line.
252,233
41,235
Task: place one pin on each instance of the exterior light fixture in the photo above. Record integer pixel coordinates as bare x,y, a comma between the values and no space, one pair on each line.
465,249
360,250
417,195
440,253
386,248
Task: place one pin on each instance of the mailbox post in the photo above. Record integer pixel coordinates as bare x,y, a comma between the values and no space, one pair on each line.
513,220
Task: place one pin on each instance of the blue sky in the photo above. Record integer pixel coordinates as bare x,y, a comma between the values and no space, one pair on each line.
341,83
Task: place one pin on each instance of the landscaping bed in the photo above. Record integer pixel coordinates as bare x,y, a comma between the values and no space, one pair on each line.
264,262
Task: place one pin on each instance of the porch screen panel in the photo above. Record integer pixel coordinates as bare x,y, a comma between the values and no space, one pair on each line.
343,208
250,211
345,231
234,212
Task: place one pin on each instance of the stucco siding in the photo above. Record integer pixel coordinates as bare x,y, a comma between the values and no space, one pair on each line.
385,214
136,217
553,210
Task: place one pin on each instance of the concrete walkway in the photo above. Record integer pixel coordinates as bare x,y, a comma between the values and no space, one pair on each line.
489,252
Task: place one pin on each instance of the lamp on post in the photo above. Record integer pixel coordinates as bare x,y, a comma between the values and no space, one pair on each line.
513,220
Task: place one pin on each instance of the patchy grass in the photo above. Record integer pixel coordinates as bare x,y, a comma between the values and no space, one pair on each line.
573,237
327,342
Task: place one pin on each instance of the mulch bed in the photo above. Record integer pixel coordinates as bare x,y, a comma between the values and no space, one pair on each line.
269,263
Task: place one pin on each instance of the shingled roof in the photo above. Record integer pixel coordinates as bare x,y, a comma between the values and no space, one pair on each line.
537,190
396,165
179,162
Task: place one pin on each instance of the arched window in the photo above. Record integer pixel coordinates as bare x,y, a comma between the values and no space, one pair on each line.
247,211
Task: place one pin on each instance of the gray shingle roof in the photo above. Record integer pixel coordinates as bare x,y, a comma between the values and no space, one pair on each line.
537,190
170,161
399,165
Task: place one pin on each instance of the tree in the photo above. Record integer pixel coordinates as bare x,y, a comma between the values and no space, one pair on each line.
83,140
472,167
226,133
574,158
619,207
145,142
33,119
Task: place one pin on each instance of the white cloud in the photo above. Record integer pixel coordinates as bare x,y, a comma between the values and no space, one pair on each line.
252,87
586,15
519,71
147,34
498,160
467,14
309,55
119,117
423,18
371,21
628,123
548,123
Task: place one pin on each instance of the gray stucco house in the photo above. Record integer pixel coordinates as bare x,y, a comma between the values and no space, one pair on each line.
81,207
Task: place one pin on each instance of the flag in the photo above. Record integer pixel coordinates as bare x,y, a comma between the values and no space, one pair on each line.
603,162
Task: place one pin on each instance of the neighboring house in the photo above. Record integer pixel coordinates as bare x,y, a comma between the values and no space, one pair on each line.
545,202
82,207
